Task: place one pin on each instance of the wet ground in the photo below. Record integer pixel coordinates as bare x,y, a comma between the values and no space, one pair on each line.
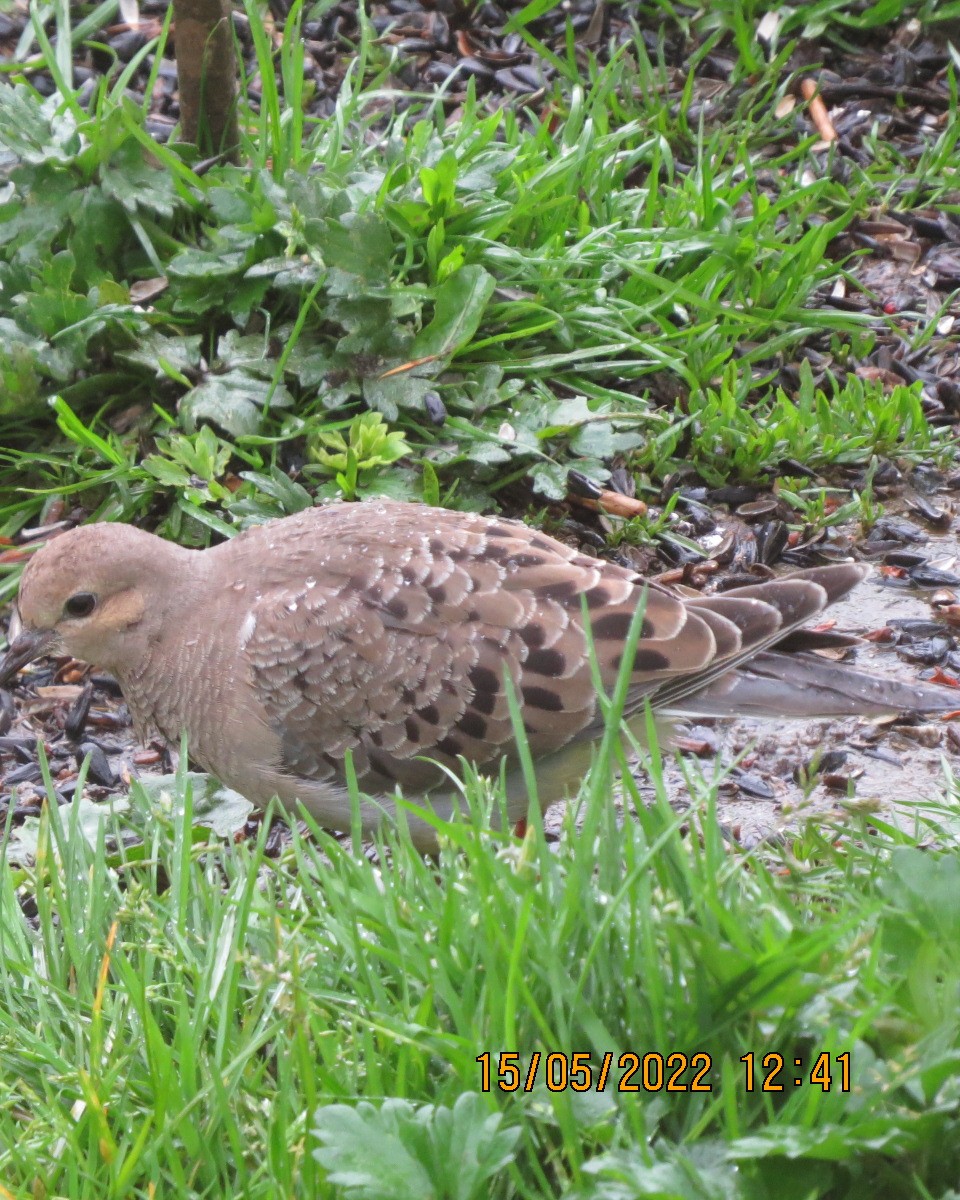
792,770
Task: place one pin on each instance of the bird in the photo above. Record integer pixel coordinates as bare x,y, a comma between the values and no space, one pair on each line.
384,637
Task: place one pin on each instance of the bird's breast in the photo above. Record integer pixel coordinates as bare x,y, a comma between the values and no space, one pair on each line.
196,683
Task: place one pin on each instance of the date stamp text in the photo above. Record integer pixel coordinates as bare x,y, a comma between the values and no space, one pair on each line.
631,1071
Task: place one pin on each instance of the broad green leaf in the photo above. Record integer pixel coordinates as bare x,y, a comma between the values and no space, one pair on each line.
233,401
459,305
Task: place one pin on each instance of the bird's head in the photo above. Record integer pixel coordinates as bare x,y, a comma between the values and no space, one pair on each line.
92,593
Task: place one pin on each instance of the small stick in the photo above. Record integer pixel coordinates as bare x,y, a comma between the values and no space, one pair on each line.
612,503
818,110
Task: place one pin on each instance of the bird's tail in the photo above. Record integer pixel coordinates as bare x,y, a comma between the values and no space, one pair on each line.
774,684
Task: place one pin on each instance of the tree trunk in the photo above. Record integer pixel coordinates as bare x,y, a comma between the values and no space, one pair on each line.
207,71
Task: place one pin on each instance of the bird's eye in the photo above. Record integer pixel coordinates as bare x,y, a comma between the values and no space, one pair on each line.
81,604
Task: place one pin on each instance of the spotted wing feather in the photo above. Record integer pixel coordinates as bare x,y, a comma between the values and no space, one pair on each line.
396,637
397,642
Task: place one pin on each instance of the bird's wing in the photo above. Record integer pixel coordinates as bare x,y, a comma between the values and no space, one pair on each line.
394,637
393,642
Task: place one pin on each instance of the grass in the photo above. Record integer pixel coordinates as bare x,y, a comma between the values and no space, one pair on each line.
191,1017
389,302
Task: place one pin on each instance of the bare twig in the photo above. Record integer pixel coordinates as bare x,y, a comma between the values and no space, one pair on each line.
818,110
613,503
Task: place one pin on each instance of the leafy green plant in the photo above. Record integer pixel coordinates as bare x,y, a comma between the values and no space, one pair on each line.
820,507
515,270
401,1152
852,422
649,528
196,463
369,444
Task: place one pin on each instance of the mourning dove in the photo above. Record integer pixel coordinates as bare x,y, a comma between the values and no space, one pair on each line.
387,630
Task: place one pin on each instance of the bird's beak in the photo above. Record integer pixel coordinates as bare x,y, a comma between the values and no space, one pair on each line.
26,647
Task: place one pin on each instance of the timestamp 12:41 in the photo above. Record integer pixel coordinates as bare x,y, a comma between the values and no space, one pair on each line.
777,1076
